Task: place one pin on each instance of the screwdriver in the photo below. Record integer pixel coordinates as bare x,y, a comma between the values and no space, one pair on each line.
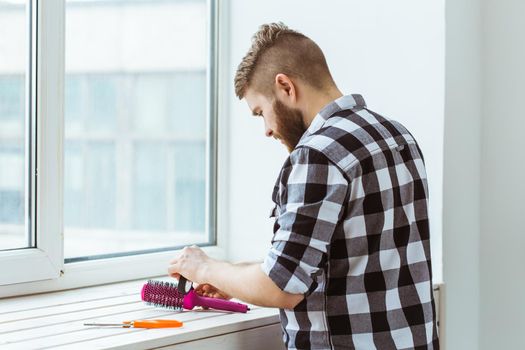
140,324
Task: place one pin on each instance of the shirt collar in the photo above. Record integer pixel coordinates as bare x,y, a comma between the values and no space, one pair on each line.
340,104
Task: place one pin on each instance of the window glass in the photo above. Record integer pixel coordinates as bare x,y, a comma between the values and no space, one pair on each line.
14,232
135,110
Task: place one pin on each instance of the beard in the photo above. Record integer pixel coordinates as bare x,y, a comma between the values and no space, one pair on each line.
290,124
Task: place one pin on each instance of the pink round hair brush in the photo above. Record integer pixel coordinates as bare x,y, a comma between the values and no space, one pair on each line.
166,294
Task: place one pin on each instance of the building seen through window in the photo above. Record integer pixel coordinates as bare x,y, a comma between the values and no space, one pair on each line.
13,53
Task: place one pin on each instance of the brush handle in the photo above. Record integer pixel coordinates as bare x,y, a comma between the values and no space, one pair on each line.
192,299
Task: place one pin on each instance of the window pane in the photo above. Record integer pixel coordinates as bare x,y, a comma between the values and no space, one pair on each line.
90,185
13,58
150,186
190,186
135,109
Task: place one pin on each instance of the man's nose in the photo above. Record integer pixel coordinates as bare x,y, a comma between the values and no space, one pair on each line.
267,130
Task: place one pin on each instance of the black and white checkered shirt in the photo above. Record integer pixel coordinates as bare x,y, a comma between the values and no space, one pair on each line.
352,234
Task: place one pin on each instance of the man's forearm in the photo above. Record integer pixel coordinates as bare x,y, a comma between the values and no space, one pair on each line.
247,282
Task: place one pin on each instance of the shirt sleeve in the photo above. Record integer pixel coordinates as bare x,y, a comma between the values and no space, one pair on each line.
311,205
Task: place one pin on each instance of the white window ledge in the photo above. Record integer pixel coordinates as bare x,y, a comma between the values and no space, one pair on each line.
56,320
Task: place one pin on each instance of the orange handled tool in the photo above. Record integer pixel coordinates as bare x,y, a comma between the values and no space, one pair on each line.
141,324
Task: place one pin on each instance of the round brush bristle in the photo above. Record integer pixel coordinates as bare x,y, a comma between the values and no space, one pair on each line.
162,294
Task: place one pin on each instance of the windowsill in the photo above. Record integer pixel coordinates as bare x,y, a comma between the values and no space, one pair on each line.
55,320
103,271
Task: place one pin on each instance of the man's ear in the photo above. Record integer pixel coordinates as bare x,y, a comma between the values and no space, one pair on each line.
285,87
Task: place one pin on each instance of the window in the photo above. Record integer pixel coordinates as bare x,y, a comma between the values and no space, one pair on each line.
156,150
14,228
128,105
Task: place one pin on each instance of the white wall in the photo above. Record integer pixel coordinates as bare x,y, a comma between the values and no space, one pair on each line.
461,179
484,188
502,247
390,52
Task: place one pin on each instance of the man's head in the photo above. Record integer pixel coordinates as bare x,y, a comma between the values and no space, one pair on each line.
283,77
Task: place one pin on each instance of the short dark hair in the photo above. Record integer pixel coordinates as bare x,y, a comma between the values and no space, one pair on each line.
277,49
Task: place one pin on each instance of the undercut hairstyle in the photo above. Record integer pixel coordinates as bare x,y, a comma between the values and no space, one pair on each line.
277,49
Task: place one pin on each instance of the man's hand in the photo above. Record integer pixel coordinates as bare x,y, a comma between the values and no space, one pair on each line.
244,281
192,263
207,290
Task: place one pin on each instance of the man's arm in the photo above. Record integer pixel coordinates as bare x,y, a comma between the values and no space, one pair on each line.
313,205
244,281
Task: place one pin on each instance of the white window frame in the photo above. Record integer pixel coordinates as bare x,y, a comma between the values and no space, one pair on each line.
42,269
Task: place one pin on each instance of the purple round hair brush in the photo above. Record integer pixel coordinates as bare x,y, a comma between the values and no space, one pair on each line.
166,294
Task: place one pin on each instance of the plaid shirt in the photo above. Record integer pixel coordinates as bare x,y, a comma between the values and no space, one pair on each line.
352,234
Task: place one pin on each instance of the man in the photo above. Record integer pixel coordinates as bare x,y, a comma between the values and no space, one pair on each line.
349,265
